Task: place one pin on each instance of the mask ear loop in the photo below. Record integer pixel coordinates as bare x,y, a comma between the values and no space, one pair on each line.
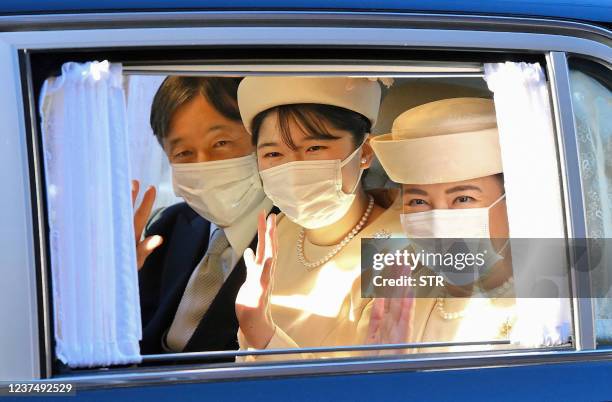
349,159
352,155
501,197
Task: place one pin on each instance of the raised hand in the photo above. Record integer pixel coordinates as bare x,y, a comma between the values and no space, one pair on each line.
253,300
145,246
390,322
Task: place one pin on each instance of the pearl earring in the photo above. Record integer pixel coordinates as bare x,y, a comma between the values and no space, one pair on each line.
363,160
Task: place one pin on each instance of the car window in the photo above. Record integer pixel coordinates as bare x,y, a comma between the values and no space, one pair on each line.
195,137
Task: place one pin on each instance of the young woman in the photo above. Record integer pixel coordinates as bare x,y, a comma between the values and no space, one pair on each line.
302,288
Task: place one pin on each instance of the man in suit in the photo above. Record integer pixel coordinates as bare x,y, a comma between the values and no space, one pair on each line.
190,258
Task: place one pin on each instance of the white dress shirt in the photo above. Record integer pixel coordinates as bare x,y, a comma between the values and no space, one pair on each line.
240,235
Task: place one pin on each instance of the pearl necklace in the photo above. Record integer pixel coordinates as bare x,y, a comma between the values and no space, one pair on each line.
445,314
314,264
497,292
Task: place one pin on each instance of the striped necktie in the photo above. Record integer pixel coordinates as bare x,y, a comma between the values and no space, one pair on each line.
201,290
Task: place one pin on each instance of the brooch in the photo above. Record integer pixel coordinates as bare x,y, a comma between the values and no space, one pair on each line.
382,234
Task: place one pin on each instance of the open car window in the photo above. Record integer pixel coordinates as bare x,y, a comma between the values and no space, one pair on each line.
319,310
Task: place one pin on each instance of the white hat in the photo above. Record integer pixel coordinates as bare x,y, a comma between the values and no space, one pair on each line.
441,142
260,93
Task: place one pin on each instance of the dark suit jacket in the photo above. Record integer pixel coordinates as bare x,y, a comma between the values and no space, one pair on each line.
165,274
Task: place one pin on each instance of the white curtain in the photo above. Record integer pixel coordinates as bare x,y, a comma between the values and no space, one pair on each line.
149,164
533,195
593,112
87,172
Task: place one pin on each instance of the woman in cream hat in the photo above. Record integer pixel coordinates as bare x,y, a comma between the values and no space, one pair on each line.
302,287
447,158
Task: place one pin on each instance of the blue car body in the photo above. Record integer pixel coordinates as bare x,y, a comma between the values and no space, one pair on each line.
572,378
584,10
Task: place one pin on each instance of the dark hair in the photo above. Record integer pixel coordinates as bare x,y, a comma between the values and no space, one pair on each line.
310,118
500,179
175,91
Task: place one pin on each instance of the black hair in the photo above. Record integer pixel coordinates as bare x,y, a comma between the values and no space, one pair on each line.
175,91
311,118
500,179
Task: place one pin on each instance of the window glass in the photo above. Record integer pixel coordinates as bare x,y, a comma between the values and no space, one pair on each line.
316,302
311,172
592,102
148,164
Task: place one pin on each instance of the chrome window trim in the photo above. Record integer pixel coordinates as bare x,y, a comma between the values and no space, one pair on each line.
583,308
232,68
393,37
44,298
343,37
198,356
407,69
157,376
105,20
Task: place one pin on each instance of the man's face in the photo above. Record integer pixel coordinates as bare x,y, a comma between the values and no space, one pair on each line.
474,193
199,133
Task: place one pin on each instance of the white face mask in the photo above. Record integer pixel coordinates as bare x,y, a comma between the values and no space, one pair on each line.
310,192
465,223
455,224
220,191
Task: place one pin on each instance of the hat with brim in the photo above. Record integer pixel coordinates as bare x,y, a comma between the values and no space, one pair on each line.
257,94
444,141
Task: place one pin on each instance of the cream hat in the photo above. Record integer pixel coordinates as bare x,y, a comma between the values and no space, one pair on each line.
258,94
441,142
